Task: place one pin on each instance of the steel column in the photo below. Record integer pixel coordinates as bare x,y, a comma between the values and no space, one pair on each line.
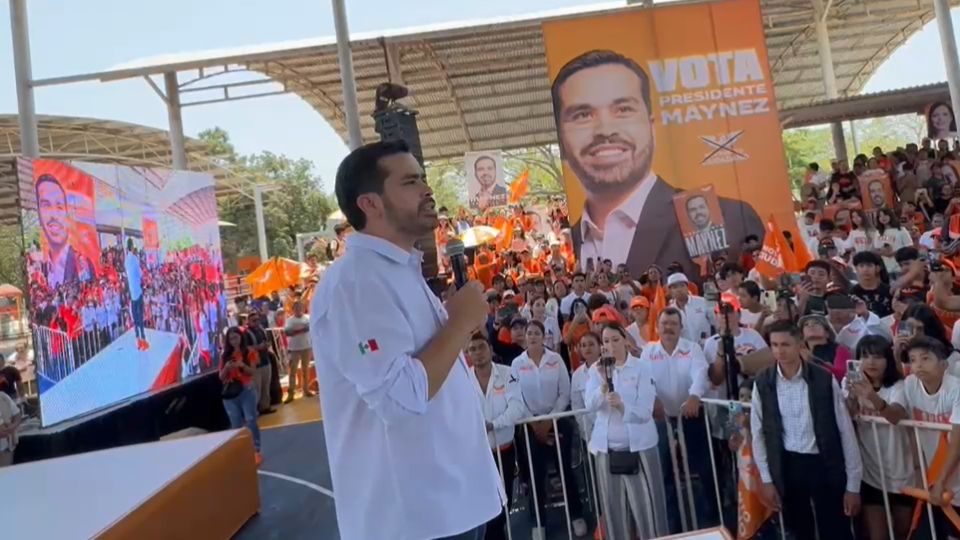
349,84
178,147
23,74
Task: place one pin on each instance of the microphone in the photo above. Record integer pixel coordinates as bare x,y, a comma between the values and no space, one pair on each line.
458,261
607,363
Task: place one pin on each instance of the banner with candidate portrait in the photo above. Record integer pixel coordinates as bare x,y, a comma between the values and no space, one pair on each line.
701,221
941,122
876,190
486,187
650,102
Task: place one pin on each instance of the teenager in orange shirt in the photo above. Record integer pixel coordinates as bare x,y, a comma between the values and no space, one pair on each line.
238,363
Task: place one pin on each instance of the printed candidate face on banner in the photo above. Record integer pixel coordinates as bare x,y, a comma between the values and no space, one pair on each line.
652,102
941,123
485,183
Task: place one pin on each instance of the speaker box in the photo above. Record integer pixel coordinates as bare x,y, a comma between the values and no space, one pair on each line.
398,123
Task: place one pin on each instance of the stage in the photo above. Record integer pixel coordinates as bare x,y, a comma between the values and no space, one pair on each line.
170,489
115,374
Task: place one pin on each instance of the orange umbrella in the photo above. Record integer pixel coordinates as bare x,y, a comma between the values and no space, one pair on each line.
274,275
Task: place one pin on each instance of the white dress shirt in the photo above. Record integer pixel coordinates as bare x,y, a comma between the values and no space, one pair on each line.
793,398
634,383
578,400
698,319
567,302
545,389
401,462
676,376
502,405
613,240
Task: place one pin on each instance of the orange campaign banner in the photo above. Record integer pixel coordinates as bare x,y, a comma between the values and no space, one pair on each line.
876,190
66,208
151,235
701,221
652,101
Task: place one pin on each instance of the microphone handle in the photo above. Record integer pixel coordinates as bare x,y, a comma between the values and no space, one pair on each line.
459,266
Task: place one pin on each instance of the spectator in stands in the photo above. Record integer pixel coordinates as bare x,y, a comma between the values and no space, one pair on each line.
933,395
890,237
821,345
862,233
239,363
507,351
877,389
813,288
11,378
578,324
545,389
297,330
754,312
804,442
580,292
624,439
639,328
872,283
502,409
920,320
538,312
697,316
679,372
589,349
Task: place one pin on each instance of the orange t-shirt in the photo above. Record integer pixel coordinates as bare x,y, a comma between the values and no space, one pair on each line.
253,358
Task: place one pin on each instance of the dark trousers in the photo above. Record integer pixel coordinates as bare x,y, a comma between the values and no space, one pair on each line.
543,455
496,527
136,307
941,524
698,459
805,482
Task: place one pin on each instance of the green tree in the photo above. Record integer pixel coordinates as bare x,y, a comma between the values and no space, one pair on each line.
12,264
543,162
803,146
294,202
448,182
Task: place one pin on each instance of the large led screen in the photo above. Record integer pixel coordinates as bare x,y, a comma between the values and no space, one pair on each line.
125,280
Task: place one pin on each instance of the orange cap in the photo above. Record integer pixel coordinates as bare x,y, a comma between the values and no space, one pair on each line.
639,301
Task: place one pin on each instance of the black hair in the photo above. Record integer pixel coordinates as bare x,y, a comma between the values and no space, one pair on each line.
537,324
870,257
576,275
730,268
785,327
597,301
592,59
671,311
932,326
894,220
751,288
228,349
815,167
591,334
616,327
818,263
827,225
360,173
48,179
881,346
575,303
925,343
905,254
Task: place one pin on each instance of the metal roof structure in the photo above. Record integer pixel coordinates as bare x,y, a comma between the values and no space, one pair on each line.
105,141
483,84
911,100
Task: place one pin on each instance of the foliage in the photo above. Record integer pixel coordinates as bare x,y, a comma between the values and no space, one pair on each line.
295,202
448,182
12,264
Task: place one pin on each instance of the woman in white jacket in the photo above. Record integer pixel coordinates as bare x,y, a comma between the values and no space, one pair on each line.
624,440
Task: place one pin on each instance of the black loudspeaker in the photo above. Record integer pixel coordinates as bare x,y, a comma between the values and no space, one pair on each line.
398,123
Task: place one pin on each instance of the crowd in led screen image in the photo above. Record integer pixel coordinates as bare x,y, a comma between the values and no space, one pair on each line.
125,280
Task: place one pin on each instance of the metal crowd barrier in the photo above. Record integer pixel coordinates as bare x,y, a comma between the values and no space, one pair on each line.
54,353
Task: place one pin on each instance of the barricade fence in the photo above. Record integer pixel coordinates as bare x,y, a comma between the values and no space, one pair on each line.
683,477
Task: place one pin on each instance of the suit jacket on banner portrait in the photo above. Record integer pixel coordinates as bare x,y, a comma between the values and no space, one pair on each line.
659,240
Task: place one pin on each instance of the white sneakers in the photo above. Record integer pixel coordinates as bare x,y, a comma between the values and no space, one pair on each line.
579,527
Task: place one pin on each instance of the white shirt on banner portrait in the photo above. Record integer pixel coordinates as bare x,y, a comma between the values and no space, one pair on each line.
613,239
396,457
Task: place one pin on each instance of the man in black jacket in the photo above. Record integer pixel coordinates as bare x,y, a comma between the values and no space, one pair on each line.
803,442
601,103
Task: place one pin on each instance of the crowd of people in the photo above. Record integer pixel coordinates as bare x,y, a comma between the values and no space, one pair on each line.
865,329
180,294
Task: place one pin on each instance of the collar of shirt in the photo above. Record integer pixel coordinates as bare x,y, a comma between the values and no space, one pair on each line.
628,210
385,248
795,378
683,349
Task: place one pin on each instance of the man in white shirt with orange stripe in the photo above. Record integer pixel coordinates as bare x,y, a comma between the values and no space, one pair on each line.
404,426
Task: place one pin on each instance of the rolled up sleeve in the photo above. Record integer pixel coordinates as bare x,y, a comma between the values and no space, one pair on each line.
373,349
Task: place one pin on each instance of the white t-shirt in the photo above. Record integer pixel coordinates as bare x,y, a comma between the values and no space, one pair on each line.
299,342
747,342
897,238
893,453
8,411
634,331
808,232
750,319
859,240
941,408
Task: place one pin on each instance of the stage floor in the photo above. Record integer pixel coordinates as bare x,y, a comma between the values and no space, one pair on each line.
116,373
301,411
297,500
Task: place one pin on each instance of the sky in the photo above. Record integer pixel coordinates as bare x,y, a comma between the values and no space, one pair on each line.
74,36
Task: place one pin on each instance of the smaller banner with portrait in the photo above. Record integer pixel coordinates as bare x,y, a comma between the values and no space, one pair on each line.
701,221
941,123
486,187
875,190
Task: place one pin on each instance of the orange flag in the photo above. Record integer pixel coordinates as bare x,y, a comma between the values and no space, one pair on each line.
751,512
519,187
776,257
656,306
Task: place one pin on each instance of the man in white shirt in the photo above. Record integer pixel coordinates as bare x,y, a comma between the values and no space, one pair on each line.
297,330
408,450
804,443
679,373
931,238
579,284
502,409
697,316
131,267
